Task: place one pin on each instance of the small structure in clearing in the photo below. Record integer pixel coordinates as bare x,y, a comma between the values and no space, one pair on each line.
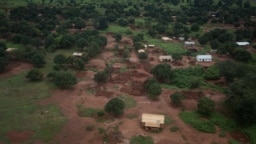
141,51
189,44
165,58
242,43
152,121
78,54
166,39
204,58
10,49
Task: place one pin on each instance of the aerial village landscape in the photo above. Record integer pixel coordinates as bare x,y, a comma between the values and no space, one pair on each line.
128,72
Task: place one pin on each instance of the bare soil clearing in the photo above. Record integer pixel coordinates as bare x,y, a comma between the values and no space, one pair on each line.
126,80
15,68
18,137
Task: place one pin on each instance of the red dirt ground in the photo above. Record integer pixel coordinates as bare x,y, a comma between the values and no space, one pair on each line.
90,94
15,68
18,137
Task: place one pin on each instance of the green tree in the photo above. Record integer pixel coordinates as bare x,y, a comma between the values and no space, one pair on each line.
34,75
154,91
177,98
62,79
60,59
241,100
205,106
100,23
78,64
195,27
143,55
37,59
81,43
115,106
241,55
101,77
117,37
3,56
162,72
212,73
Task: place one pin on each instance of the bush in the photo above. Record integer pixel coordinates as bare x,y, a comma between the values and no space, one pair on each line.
154,91
143,55
62,79
34,75
193,119
177,98
100,77
152,87
205,106
100,113
212,73
115,106
162,72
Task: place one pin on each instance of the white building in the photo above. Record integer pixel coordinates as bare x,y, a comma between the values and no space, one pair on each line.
78,54
204,58
242,43
165,58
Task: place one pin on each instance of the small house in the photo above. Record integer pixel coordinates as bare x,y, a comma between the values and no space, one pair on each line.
189,43
204,58
152,121
151,45
10,49
165,58
242,43
78,54
141,51
166,39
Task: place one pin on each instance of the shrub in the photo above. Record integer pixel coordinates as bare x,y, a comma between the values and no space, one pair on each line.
62,79
143,55
205,106
100,77
162,72
34,75
176,98
115,106
174,129
154,91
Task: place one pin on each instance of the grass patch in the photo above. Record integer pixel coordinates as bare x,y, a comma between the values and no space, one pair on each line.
129,102
19,110
207,125
224,123
87,112
141,140
167,46
193,119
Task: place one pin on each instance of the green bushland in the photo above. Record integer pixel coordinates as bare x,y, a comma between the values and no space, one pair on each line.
20,111
208,125
185,78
